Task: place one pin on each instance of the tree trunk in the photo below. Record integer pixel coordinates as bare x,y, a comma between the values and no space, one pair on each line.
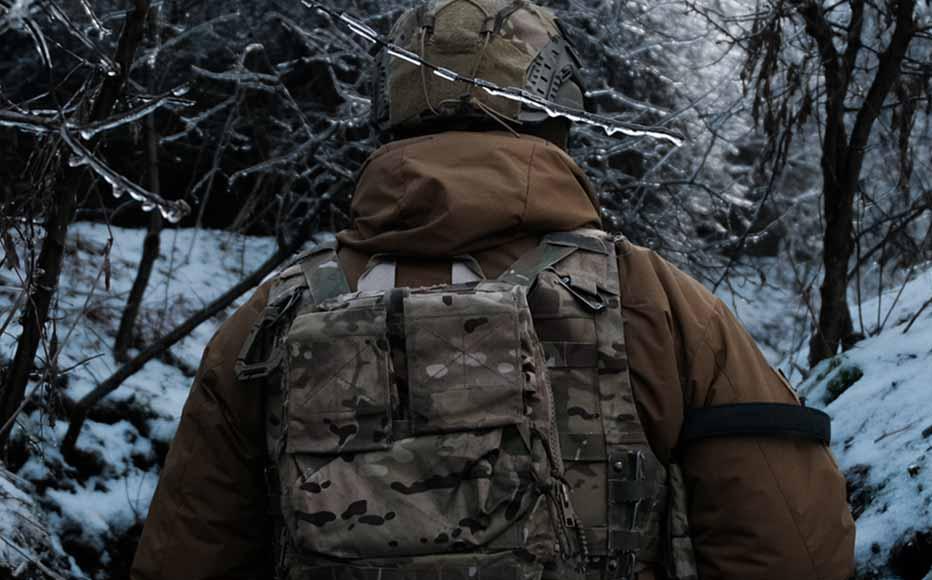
842,161
41,290
150,253
835,323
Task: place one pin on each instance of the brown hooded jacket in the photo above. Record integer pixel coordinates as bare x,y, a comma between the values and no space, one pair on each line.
759,509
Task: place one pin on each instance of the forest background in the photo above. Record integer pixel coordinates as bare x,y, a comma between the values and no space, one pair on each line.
160,158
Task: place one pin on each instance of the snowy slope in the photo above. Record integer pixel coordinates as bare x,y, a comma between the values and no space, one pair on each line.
879,395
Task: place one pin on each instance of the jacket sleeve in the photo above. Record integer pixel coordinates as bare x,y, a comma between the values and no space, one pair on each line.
760,508
207,519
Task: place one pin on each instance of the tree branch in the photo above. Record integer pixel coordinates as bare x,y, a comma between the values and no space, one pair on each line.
887,73
83,407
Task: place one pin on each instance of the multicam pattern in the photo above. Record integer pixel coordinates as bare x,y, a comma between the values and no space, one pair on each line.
458,465
464,358
426,495
339,398
617,484
455,42
681,545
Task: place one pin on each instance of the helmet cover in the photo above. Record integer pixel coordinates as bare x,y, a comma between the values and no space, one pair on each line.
511,43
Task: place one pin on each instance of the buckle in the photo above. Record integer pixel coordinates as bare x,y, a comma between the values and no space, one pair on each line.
594,303
250,371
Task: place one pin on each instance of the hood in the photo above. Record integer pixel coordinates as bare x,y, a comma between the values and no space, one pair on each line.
464,192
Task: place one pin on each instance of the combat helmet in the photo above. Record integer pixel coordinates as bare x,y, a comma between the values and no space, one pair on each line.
512,43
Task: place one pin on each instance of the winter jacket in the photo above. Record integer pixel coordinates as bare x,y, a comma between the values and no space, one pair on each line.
758,508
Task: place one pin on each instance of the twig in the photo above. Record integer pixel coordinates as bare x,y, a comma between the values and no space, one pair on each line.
918,314
16,305
894,432
42,568
53,362
897,299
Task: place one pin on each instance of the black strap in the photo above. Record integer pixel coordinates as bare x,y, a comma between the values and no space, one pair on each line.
756,420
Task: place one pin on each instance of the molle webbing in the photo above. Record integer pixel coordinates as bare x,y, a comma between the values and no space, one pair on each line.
576,290
631,489
573,279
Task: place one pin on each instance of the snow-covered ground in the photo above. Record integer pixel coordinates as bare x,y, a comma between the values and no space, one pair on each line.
95,510
882,425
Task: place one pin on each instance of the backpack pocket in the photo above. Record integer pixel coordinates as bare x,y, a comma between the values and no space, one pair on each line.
465,367
339,382
427,495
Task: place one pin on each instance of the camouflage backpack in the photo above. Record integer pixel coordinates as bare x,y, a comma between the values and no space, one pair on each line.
474,430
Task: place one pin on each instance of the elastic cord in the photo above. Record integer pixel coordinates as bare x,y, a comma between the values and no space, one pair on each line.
494,115
424,74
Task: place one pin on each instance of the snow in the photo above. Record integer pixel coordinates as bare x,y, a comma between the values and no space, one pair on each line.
106,508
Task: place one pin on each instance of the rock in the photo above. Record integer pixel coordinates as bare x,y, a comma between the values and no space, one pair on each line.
911,557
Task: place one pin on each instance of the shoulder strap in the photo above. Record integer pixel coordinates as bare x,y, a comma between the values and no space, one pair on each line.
757,420
552,249
324,279
323,274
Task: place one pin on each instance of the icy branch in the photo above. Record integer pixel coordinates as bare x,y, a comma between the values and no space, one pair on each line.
173,211
170,100
290,157
47,122
150,56
105,62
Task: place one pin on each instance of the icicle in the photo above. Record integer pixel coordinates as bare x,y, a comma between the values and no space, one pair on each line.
76,161
609,126
446,74
102,31
405,55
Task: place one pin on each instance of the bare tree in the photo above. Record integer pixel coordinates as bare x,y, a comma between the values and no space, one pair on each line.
151,244
847,67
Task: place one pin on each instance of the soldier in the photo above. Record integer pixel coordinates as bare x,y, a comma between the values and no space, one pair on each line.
386,408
